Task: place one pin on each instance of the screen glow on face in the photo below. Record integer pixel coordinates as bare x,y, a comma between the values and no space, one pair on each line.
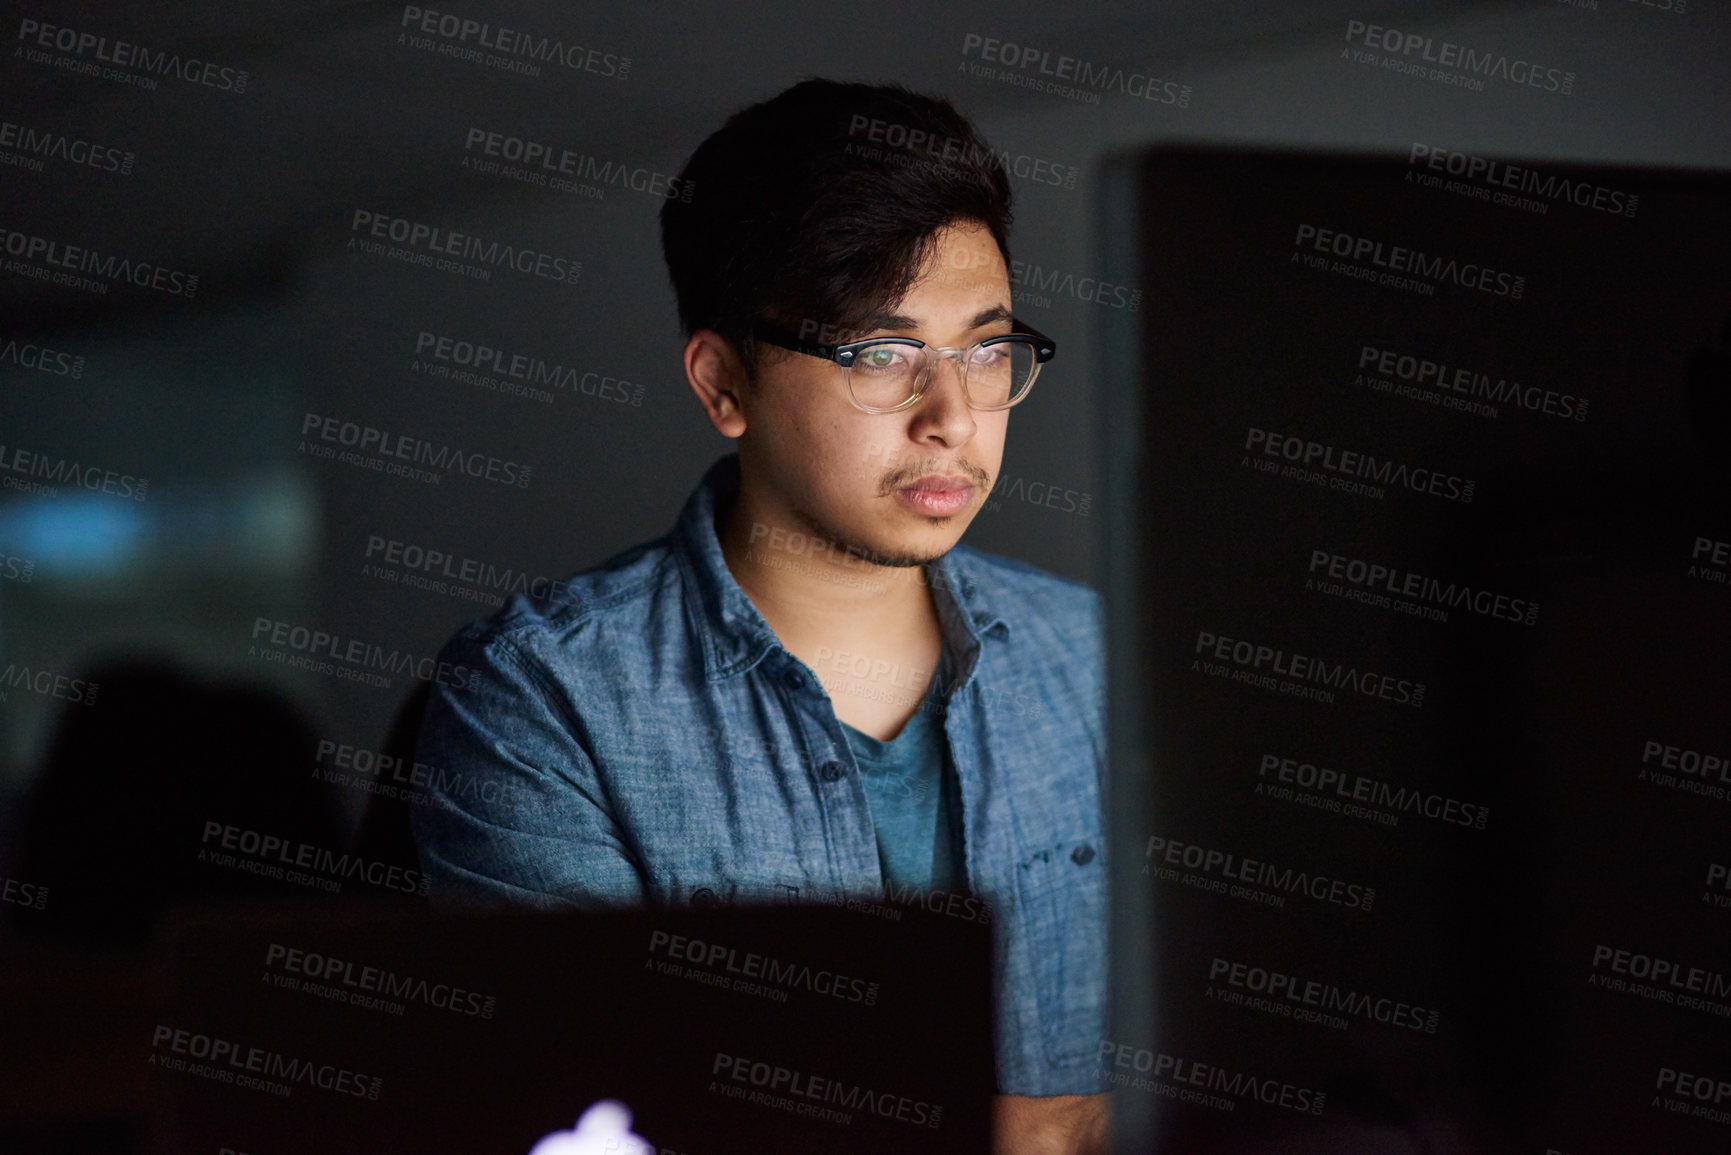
899,485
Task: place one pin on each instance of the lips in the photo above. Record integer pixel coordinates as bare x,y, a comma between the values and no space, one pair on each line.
937,495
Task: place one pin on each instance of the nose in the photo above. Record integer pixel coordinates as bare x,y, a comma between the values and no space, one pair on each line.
943,414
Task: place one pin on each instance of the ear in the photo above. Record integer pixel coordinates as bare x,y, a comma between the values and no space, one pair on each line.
717,376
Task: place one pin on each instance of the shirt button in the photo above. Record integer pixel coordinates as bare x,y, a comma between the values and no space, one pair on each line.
703,896
794,680
830,771
1082,855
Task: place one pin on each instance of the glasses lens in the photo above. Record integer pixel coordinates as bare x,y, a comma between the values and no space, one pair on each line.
883,376
1000,373
886,376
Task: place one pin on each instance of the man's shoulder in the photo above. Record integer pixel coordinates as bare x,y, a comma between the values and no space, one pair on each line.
624,591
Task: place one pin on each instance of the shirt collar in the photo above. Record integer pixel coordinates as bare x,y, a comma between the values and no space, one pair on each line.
734,635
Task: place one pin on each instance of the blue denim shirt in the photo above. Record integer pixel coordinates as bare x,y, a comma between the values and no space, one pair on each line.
645,738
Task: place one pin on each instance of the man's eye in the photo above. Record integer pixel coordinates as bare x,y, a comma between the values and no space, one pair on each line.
883,358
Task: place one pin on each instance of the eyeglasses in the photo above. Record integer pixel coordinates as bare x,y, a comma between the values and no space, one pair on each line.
889,374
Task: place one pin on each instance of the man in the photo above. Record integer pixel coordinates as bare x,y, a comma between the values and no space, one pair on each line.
808,687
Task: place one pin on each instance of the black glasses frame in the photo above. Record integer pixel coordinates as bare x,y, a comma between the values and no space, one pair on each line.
844,353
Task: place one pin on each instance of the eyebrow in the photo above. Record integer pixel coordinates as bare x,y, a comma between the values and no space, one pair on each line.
879,321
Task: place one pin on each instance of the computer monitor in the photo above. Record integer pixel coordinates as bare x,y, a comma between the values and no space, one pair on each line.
1421,653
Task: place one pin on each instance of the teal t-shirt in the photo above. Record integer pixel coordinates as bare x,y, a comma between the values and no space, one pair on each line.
915,801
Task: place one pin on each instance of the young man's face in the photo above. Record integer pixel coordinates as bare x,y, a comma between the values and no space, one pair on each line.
898,488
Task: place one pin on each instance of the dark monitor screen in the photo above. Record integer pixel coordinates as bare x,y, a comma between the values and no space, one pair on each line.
1421,654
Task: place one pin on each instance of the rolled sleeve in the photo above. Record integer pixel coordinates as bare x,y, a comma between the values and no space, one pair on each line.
517,813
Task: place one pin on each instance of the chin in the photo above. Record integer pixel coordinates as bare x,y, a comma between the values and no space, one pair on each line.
906,550
941,537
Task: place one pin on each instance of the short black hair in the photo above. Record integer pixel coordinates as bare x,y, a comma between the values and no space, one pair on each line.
821,204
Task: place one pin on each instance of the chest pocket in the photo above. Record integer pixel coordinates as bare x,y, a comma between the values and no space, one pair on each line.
1063,893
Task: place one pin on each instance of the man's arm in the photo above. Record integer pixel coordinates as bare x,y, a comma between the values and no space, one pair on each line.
516,813
1050,1125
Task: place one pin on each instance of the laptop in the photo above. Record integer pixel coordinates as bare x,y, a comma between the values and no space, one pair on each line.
330,1030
